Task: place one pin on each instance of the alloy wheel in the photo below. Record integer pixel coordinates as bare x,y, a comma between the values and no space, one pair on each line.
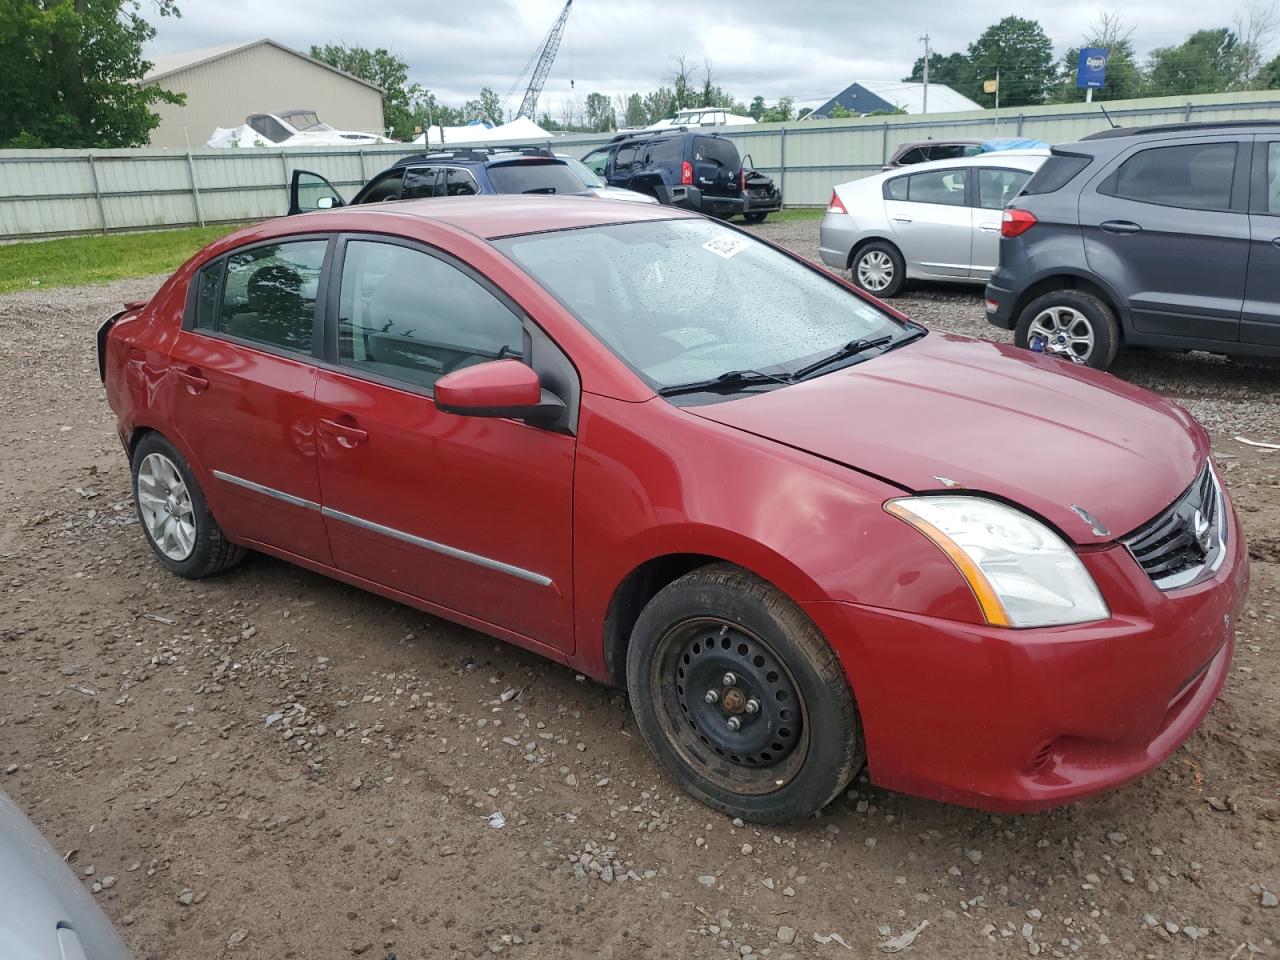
875,270
729,705
165,504
1062,330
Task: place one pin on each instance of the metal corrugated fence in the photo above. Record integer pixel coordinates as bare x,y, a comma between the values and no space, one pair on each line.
46,193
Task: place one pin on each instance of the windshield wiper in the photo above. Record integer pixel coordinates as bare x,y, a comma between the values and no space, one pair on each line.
730,380
850,349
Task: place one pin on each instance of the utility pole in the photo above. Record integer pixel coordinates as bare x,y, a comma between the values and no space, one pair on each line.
924,107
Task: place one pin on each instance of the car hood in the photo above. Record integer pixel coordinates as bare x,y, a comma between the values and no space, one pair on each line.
952,412
621,193
45,912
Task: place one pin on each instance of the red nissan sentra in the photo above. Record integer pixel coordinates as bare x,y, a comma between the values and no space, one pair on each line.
803,532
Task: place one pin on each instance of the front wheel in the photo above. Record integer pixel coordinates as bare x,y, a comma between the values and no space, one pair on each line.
1072,324
757,217
879,269
741,698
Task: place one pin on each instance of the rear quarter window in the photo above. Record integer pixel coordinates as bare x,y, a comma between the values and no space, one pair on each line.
1055,173
667,151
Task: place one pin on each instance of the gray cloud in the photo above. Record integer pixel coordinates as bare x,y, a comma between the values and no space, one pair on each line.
805,50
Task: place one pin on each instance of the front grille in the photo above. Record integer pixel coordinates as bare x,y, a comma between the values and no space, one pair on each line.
1186,541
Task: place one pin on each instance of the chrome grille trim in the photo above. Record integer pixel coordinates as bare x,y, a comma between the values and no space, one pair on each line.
1168,547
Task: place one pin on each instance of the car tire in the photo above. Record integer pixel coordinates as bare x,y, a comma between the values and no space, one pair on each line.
878,268
788,756
755,217
1073,324
174,515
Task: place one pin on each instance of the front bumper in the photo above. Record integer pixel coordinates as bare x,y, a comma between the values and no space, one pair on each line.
1023,720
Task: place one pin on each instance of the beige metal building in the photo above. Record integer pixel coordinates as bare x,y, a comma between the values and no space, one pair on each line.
228,83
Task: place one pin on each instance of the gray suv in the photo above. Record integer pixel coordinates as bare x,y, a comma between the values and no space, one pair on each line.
1165,237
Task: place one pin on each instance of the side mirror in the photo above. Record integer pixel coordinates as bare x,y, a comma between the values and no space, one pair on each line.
500,388
324,203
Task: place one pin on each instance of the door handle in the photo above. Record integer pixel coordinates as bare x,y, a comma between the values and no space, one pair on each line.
902,219
347,434
989,227
192,379
1276,242
1120,226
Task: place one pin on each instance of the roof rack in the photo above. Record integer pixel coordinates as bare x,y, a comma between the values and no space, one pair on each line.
1179,127
481,154
647,134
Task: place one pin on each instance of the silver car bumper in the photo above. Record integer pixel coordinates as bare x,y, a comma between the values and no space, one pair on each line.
836,239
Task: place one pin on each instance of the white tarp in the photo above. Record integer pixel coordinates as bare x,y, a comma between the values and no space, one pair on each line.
520,130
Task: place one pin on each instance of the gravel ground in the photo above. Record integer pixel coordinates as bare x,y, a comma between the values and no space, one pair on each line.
272,765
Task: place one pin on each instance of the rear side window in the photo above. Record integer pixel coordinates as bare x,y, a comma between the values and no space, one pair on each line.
524,176
896,189
997,187
939,186
1056,172
667,151
718,151
1196,176
269,295
417,183
410,317
1273,178
460,183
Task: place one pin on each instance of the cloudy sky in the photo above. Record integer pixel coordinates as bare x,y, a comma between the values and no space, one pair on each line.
807,49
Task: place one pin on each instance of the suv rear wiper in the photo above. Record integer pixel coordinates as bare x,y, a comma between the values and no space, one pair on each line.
730,380
850,349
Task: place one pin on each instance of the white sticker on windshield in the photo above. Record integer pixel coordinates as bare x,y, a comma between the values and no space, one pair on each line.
726,247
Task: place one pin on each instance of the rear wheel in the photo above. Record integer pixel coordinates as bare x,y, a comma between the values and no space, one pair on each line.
879,269
1072,324
174,515
741,698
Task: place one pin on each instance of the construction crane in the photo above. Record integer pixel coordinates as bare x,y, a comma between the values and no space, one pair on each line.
550,46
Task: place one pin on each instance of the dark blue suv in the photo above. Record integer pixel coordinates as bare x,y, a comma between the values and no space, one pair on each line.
450,173
687,168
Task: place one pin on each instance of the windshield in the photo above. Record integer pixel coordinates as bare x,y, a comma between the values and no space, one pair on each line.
582,172
304,120
683,301
534,176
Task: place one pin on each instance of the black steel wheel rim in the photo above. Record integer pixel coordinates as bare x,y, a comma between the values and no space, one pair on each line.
729,705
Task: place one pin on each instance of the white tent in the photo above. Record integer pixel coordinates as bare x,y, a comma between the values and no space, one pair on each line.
520,130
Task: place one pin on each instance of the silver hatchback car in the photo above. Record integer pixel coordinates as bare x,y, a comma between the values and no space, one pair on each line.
930,221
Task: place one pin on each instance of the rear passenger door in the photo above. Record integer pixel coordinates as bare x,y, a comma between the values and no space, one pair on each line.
931,222
993,188
1260,321
1168,224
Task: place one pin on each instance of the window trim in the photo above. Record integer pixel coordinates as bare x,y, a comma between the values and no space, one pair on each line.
1105,183
219,263
1262,145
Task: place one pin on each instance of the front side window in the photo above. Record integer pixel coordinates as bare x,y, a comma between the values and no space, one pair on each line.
1195,176
418,182
386,187
1273,177
411,317
597,160
997,187
939,186
269,294
626,158
682,301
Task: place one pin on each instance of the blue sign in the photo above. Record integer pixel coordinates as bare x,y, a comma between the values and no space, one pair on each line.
1092,68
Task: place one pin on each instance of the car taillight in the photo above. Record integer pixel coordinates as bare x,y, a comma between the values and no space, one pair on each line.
686,172
1015,223
836,206
742,180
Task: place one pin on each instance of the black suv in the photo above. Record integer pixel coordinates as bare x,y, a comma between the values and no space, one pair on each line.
1165,237
682,168
448,173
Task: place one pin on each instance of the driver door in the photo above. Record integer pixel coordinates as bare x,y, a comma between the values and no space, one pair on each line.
472,515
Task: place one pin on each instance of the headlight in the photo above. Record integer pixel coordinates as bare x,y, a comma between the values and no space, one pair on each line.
1020,571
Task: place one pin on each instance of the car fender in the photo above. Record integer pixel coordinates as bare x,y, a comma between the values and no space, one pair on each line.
1040,283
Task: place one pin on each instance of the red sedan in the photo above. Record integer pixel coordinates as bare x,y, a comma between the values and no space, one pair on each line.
803,532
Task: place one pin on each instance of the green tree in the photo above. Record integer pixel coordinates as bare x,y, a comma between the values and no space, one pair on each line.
600,115
1268,77
403,105
636,116
1124,76
839,111
683,90
954,70
780,112
486,107
1020,51
1208,61
756,110
659,104
73,68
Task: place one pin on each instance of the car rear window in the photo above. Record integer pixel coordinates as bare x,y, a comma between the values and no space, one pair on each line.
533,176
720,151
1056,172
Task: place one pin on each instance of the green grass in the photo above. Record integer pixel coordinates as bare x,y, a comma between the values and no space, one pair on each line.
80,260
796,213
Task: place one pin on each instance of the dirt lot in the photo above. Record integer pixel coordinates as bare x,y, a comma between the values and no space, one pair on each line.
273,765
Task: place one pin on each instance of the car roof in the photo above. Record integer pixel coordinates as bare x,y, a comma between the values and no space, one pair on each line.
996,158
490,216
1190,129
